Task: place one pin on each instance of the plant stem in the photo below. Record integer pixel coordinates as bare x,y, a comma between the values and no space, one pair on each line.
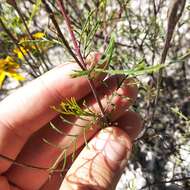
60,34
29,166
21,164
78,52
175,11
74,40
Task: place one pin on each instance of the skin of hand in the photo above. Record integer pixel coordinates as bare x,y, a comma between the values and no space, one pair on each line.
24,123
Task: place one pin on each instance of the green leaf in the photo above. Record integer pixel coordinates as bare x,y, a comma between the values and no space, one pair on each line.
71,107
35,10
109,50
88,32
139,69
177,111
55,128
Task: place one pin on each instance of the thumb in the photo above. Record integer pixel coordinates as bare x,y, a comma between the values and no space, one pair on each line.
100,165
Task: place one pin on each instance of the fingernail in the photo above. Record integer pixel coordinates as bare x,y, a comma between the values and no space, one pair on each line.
115,145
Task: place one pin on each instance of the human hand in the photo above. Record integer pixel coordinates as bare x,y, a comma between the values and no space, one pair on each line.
24,118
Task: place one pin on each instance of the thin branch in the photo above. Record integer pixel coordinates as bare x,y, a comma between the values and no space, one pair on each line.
74,40
78,52
12,161
175,11
60,34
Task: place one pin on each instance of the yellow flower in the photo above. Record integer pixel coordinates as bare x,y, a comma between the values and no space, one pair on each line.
20,52
38,35
28,45
8,68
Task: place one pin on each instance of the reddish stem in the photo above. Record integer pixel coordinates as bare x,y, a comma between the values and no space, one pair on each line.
78,52
73,38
